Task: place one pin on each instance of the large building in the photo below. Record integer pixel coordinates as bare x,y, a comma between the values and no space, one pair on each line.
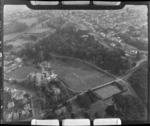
43,77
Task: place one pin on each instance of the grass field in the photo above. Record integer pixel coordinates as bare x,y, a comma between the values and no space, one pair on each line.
78,75
22,72
29,21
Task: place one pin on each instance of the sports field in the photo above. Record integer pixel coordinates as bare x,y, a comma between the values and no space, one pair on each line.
78,75
21,73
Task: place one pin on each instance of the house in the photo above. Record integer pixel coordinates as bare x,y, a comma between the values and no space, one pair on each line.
38,77
56,90
24,100
102,34
113,44
18,60
85,36
18,95
11,80
10,105
27,107
20,65
0,55
15,115
42,77
53,76
23,113
45,73
6,88
8,116
60,111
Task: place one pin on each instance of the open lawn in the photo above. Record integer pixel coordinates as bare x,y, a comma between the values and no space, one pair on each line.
29,21
13,36
21,42
22,72
78,75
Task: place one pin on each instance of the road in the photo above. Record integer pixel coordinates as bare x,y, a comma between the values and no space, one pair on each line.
138,64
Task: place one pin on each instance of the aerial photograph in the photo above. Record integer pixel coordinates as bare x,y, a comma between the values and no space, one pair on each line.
75,64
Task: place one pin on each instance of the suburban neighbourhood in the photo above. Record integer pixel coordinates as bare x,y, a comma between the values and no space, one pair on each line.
62,64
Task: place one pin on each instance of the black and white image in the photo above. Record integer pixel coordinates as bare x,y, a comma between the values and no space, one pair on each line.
74,64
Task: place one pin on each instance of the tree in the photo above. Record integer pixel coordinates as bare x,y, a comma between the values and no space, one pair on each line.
83,101
69,107
86,115
73,116
97,115
138,57
128,108
7,98
110,110
92,96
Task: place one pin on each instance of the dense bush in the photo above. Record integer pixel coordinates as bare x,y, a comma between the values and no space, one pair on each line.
83,101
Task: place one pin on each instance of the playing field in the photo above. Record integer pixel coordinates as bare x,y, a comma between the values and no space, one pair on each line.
78,75
21,73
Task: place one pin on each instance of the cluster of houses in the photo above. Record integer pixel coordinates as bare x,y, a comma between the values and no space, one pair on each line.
19,107
11,63
130,51
42,77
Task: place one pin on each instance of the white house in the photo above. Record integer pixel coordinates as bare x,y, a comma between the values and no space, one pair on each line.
56,90
10,105
61,111
18,60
